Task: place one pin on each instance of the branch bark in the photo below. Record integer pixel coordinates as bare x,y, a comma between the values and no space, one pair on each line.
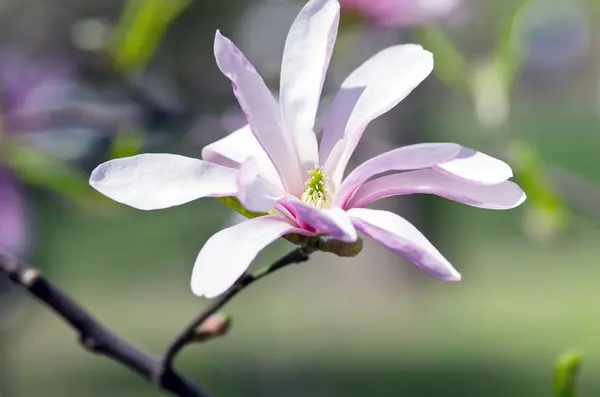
94,336
98,339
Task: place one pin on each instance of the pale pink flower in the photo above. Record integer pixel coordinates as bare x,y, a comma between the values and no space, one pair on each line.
403,12
275,164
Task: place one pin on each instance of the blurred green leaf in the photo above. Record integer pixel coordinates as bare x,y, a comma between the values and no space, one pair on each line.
565,375
140,29
126,143
508,55
489,94
42,170
530,172
450,66
547,212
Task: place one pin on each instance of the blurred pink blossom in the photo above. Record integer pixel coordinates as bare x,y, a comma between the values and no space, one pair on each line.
14,222
403,12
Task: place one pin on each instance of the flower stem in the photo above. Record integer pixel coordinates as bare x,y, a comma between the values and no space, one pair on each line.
188,333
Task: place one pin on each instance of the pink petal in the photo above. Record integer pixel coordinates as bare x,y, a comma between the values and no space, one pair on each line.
404,13
227,254
306,58
400,236
256,193
237,147
373,89
412,157
328,222
155,181
262,112
503,196
477,167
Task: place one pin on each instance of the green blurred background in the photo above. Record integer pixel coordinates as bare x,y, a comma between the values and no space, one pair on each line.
370,326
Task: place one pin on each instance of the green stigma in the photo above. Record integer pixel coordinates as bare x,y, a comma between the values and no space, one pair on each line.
316,192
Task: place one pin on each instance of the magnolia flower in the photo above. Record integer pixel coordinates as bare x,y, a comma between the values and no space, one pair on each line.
403,12
275,165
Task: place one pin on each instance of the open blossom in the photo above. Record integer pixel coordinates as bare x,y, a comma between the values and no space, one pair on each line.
403,12
275,164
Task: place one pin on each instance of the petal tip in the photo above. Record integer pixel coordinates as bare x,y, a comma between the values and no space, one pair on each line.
506,169
100,179
96,176
197,288
454,278
220,39
522,199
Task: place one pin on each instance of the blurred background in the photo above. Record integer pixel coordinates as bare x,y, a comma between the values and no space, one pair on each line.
83,81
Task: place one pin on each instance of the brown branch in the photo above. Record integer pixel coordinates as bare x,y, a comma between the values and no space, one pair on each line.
189,333
94,336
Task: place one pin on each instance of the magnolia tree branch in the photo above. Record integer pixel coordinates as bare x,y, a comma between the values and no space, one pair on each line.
98,339
194,329
94,336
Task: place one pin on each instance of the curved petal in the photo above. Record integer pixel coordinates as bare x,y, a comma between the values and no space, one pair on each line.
477,167
329,222
255,193
503,196
401,237
217,268
374,88
14,219
262,112
237,147
305,61
412,157
155,180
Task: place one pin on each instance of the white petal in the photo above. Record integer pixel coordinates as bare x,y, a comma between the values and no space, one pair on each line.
237,147
401,237
262,112
374,88
255,193
411,157
477,167
503,196
154,181
306,58
227,254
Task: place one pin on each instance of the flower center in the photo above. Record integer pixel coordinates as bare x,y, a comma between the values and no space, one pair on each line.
316,192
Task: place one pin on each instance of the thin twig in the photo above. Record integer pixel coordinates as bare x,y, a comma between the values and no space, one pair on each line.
299,255
94,336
